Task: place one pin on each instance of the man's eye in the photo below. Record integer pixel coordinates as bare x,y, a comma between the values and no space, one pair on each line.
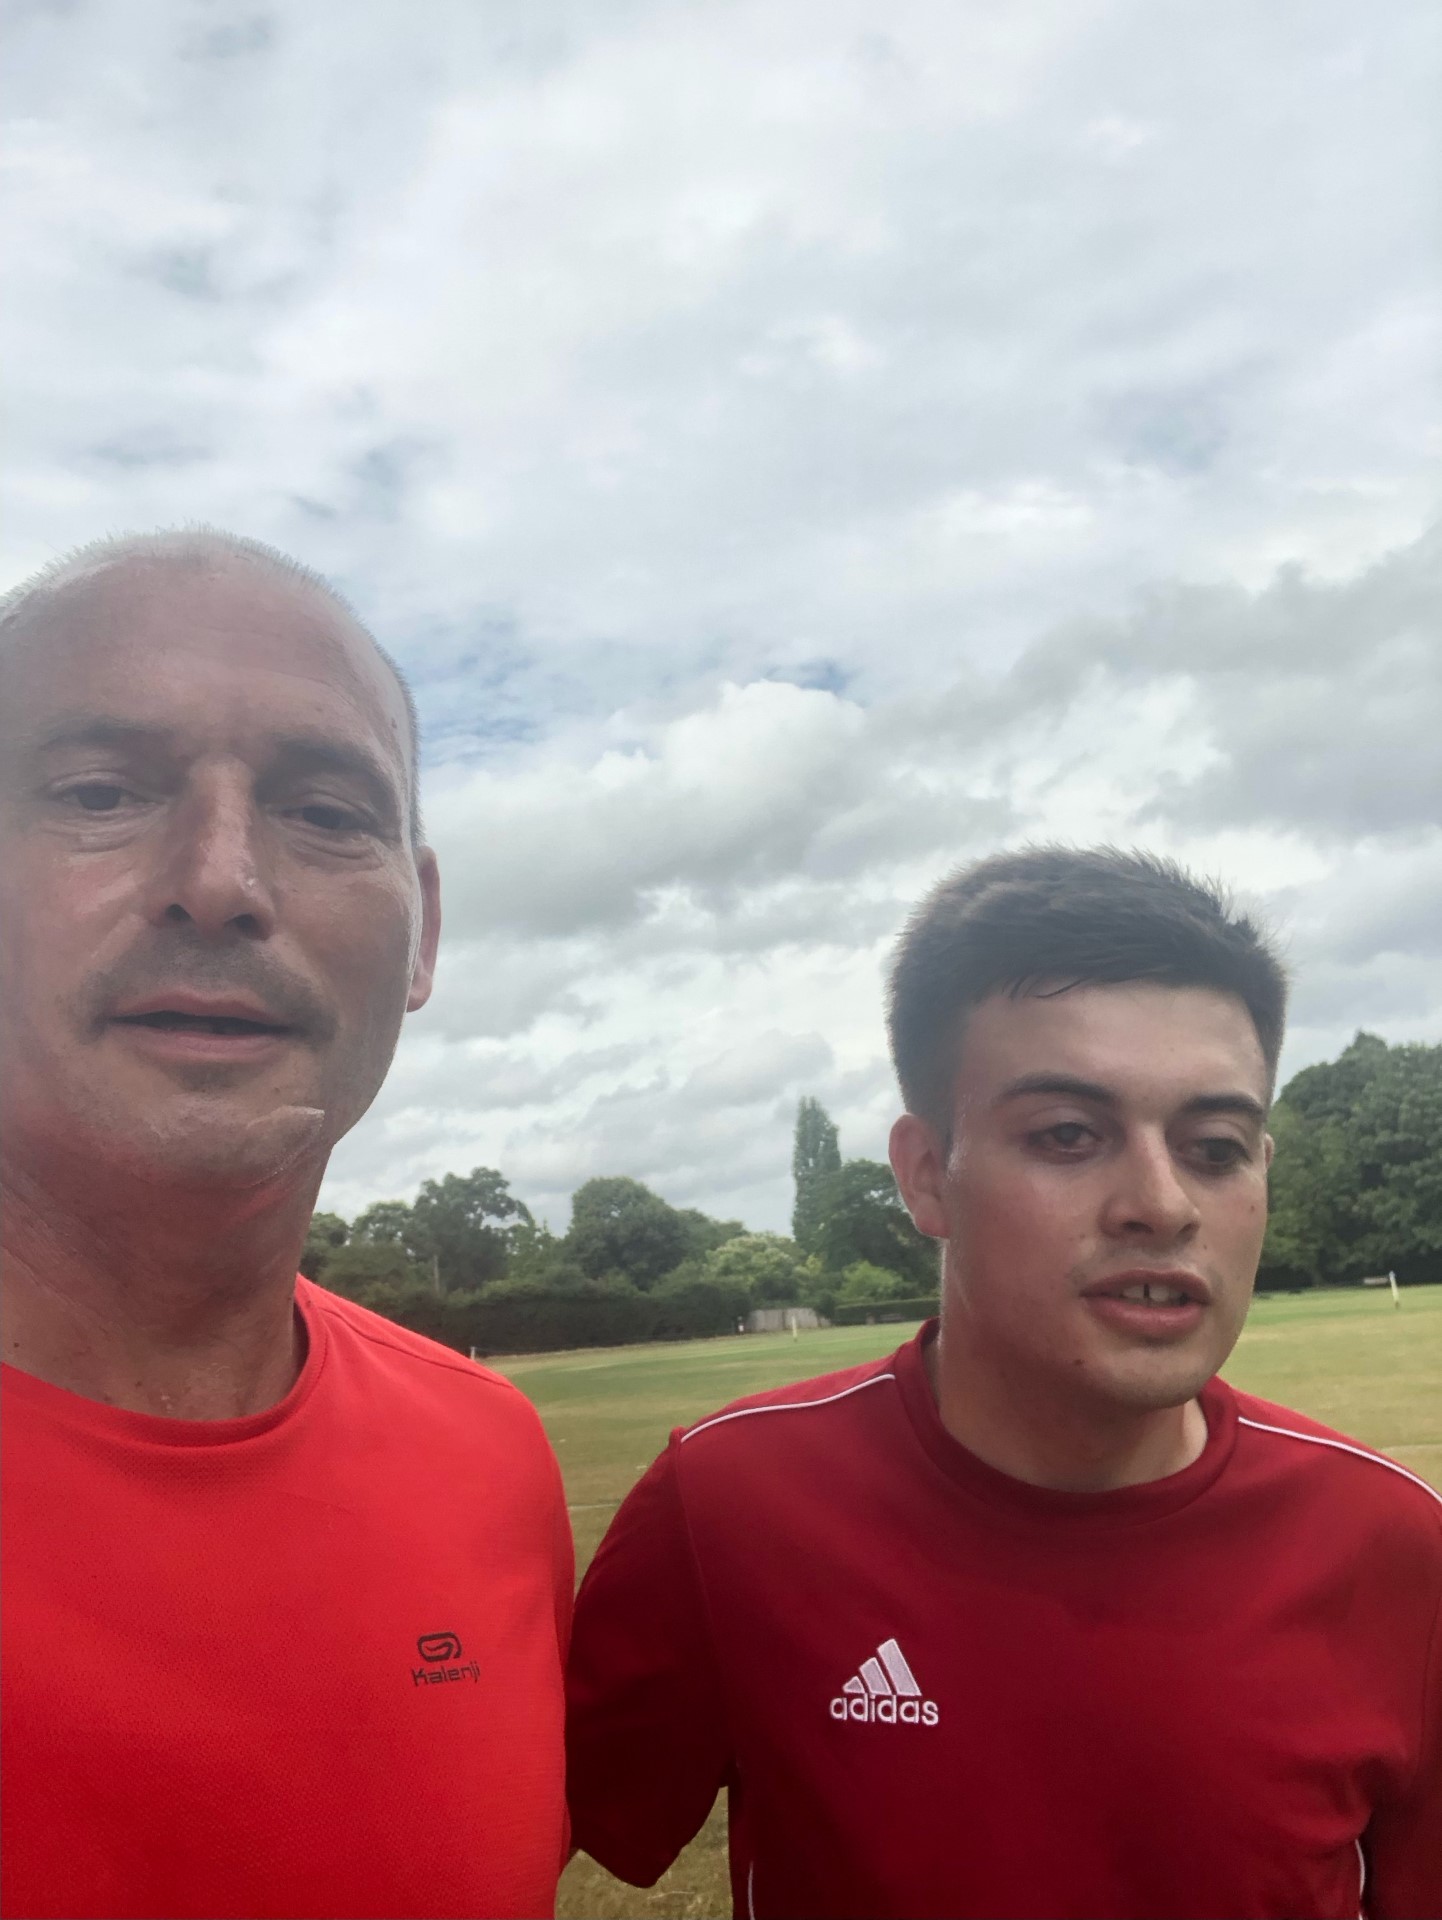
96,796
1066,1134
1220,1150
329,818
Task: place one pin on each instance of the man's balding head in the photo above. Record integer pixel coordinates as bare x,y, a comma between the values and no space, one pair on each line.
53,594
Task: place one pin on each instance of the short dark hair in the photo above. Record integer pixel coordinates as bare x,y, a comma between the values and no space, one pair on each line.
1065,917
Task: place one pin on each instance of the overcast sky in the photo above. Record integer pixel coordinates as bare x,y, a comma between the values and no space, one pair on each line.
792,449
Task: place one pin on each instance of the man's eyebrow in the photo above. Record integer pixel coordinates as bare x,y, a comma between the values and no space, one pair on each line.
309,752
302,751
1068,1087
86,730
1245,1104
1064,1084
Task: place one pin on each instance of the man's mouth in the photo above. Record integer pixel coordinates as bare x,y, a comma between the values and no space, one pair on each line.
1153,1294
1156,1305
166,1020
204,1028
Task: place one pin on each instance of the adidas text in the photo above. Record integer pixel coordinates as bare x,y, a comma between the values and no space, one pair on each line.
912,1713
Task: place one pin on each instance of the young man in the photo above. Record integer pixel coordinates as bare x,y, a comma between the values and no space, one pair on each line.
286,1588
1039,1617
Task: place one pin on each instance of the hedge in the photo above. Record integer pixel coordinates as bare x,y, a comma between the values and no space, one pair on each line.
544,1321
857,1313
1274,1278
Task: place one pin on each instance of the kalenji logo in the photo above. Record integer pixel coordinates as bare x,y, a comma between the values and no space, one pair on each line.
885,1690
437,1648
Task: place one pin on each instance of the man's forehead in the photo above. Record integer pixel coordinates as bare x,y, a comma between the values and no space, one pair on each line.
147,635
1128,1034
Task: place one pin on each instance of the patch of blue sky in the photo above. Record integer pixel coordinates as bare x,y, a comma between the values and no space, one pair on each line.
478,701
152,446
821,675
231,40
479,734
189,271
1177,433
380,478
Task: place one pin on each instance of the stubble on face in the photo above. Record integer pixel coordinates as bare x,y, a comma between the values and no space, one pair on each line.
1051,1193
208,876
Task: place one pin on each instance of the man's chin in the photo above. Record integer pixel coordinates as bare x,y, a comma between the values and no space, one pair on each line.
225,1151
1156,1383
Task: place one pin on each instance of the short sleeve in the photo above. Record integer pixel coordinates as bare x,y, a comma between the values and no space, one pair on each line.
647,1744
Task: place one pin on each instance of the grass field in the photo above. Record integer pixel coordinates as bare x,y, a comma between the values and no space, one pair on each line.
1348,1358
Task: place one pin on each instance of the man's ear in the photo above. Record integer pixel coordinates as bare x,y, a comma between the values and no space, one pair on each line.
1269,1147
918,1159
423,973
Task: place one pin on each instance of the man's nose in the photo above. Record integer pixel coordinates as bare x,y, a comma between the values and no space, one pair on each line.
213,871
1149,1200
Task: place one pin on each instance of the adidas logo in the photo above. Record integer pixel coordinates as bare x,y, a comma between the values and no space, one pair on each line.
885,1689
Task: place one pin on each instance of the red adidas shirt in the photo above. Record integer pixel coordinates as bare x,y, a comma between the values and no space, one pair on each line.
932,1690
306,1663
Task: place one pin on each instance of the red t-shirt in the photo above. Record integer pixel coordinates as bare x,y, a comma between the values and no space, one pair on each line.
305,1663
933,1690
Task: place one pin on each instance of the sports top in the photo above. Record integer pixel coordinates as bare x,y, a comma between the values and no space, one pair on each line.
304,1663
933,1690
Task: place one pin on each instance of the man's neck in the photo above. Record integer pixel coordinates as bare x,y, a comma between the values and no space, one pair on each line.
1070,1448
179,1304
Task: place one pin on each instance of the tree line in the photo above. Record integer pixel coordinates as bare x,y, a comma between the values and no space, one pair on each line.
467,1254
1356,1189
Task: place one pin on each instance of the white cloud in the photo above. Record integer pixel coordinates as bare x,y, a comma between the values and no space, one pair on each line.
668,943
791,449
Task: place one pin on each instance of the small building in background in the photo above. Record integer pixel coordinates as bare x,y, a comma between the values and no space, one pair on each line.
782,1319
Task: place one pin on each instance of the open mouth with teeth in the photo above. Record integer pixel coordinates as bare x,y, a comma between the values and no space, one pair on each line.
225,1024
1151,1294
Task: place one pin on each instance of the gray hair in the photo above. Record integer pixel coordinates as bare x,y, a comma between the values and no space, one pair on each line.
199,549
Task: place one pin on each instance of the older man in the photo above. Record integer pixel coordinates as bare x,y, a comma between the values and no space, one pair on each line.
286,1587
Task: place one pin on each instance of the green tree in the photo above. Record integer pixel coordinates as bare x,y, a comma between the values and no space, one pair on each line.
390,1223
619,1225
768,1265
326,1232
538,1259
1310,1226
360,1265
817,1287
863,1282
815,1156
464,1223
1396,1127
704,1235
1356,1183
860,1217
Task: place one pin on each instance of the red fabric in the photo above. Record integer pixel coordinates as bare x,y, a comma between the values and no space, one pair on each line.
1192,1698
214,1700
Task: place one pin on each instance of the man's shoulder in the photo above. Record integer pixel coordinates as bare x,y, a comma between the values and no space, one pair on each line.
763,1422
411,1360
1280,1441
